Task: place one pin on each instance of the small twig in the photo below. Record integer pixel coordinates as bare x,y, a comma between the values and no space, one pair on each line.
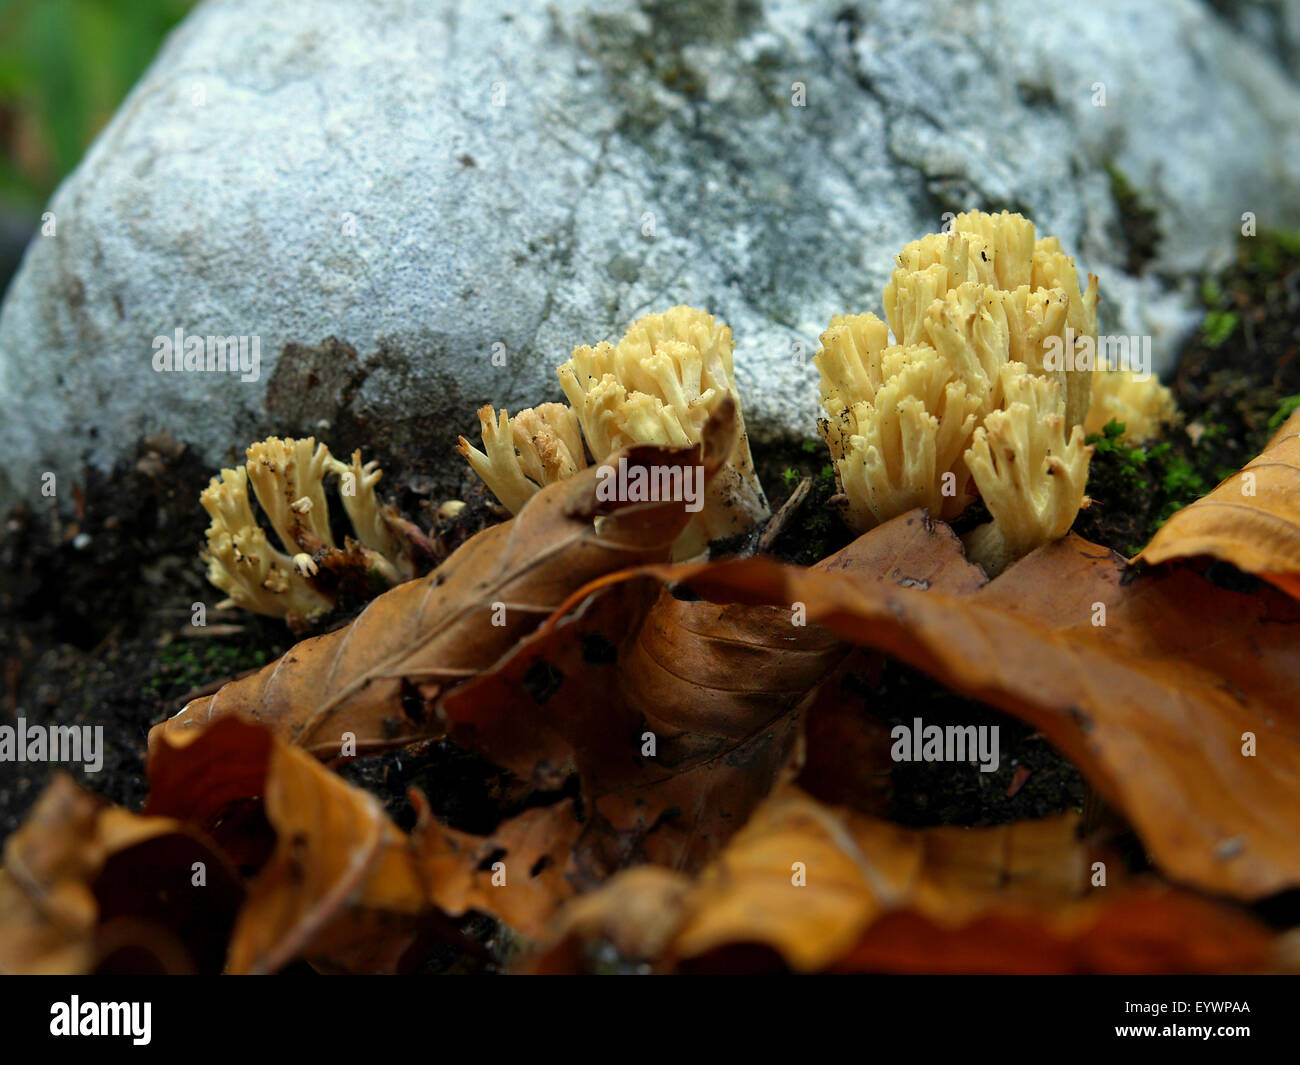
784,516
202,632
1022,774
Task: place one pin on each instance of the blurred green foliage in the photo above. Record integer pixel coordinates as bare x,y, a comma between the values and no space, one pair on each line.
1288,407
65,65
1217,327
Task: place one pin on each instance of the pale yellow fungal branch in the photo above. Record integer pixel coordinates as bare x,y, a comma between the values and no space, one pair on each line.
1033,322
1029,475
928,269
1053,269
241,561
288,480
1142,403
658,385
850,358
357,491
905,449
1026,281
549,440
523,454
969,332
1008,239
288,477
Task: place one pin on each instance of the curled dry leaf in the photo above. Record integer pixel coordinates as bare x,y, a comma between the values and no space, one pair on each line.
335,875
519,874
377,679
87,887
1251,520
846,749
678,717
830,890
1175,697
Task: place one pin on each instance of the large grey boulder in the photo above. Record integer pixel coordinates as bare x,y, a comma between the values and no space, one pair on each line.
435,183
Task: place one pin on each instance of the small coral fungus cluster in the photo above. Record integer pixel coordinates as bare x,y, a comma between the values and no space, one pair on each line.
658,385
984,391
301,582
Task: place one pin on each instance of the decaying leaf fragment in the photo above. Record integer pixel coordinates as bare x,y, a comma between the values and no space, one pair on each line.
1251,520
823,889
674,742
86,886
336,872
372,685
1176,698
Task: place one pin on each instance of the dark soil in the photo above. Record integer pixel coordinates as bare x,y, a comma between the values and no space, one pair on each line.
1031,780
97,594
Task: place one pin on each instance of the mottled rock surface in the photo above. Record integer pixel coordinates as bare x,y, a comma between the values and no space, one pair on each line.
426,181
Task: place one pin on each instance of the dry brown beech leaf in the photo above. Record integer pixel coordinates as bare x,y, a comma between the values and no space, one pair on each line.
376,679
818,889
846,749
1176,698
515,875
90,887
340,884
716,689
1251,520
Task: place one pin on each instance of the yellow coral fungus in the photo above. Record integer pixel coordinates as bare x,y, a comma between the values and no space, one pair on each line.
658,385
287,476
243,563
978,379
525,453
1139,401
1029,475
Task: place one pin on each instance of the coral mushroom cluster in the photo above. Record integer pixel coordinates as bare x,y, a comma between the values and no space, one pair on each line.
537,447
658,385
300,582
979,384
968,401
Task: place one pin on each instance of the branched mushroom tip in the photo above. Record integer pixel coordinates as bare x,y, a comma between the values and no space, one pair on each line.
978,395
658,385
525,453
287,477
1030,477
241,560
